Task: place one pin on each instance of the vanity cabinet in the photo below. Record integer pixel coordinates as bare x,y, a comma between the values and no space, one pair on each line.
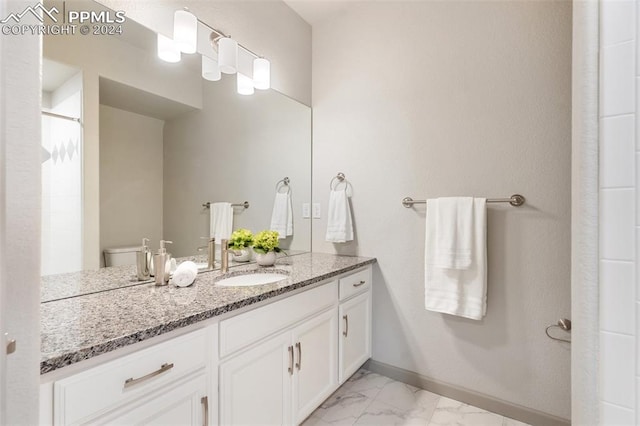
284,378
355,322
274,364
184,403
162,382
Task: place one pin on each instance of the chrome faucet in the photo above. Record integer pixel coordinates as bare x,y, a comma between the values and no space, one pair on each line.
211,251
224,254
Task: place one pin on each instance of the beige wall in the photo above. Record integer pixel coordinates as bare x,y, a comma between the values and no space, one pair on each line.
429,99
268,27
237,148
130,178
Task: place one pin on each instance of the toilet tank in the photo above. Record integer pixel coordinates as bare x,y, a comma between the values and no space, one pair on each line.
120,256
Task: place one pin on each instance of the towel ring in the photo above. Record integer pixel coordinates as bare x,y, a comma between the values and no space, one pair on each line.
283,182
564,324
340,177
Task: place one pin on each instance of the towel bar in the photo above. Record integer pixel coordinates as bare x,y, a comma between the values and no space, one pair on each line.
516,200
244,205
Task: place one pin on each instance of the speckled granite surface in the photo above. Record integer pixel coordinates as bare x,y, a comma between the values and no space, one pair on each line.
78,328
62,286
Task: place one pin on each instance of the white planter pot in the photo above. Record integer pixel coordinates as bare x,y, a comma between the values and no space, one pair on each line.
267,259
242,255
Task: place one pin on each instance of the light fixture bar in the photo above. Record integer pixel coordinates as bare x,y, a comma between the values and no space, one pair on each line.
220,34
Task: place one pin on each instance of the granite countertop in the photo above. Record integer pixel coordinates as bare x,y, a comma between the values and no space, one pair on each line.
62,286
78,328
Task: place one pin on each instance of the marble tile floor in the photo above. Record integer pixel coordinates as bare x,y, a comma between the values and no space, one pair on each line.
371,399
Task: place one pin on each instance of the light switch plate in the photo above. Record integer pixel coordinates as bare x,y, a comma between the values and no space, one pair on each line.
306,210
317,211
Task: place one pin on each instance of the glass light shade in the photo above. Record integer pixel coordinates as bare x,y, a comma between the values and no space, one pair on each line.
210,70
228,55
261,73
185,31
167,50
245,85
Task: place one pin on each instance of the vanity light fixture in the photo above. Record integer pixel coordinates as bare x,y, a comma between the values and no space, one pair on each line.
244,84
168,50
244,78
253,71
261,74
228,55
210,69
185,30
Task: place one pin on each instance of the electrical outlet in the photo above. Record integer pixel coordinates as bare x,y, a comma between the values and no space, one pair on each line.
317,211
306,210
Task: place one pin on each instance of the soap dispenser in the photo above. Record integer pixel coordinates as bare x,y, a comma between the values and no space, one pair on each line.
162,264
143,261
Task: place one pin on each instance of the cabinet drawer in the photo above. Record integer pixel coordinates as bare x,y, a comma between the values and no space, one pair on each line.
355,283
244,329
93,392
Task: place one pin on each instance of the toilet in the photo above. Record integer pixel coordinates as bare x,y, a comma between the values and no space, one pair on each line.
120,256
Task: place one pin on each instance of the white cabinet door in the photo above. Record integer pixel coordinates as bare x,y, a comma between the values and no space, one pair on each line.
255,386
316,363
355,334
183,404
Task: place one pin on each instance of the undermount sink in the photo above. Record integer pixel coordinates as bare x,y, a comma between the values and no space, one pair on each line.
249,278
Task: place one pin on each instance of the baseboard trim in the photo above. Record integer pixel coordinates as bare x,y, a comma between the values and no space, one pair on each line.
498,406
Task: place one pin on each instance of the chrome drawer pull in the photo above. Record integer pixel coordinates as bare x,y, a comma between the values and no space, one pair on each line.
346,325
362,282
290,369
299,363
131,381
205,404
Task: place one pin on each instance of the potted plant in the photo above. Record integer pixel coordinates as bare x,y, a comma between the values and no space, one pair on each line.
240,244
265,244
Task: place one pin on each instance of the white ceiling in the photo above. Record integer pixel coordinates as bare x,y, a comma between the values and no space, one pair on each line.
315,11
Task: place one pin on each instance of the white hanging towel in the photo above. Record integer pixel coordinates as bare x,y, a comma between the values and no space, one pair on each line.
454,232
221,221
282,215
461,292
339,224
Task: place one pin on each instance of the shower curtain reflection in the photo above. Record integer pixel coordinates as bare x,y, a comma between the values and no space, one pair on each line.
62,186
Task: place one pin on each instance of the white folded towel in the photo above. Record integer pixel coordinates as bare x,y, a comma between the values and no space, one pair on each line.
339,224
221,221
282,215
454,232
185,274
461,292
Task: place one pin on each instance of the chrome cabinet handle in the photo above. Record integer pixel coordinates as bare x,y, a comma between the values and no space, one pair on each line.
346,325
299,363
362,282
290,369
205,405
131,381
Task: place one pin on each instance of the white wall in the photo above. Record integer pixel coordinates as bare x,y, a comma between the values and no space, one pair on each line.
619,214
268,27
428,99
131,178
20,222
